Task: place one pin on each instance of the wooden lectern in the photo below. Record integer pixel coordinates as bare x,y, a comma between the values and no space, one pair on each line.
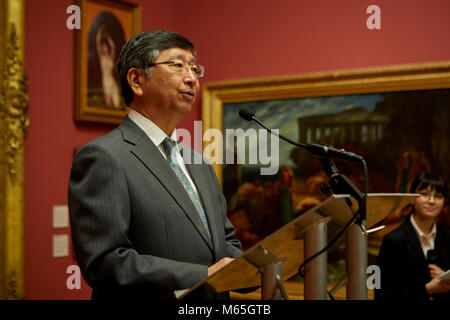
278,256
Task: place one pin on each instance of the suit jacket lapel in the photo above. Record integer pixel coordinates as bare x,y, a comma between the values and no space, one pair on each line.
442,248
413,241
146,151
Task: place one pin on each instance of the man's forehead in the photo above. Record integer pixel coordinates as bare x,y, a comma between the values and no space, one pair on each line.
178,53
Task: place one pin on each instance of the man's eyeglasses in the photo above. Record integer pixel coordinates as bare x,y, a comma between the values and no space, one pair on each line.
182,66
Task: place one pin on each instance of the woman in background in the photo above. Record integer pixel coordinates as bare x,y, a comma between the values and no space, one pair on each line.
413,256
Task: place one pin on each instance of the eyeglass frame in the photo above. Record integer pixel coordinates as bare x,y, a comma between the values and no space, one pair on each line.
428,195
187,66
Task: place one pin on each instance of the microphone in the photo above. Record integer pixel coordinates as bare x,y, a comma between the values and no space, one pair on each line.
432,257
321,150
247,115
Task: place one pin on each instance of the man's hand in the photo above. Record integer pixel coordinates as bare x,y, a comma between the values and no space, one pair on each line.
219,265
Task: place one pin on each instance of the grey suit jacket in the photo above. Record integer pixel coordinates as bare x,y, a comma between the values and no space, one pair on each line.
135,231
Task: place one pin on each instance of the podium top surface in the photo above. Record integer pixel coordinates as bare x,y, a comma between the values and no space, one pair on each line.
381,205
287,242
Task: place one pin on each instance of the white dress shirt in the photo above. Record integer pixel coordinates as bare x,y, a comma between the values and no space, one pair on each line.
426,240
157,136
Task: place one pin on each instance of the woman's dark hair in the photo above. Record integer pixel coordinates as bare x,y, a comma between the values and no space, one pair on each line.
430,179
140,51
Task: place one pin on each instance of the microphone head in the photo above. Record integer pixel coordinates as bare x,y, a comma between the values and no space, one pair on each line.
246,114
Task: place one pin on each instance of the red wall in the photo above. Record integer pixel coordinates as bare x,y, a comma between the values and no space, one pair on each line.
234,39
258,38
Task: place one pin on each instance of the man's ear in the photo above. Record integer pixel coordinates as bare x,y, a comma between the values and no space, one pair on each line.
136,80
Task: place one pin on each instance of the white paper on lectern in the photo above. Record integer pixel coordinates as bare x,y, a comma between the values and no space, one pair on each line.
445,275
179,293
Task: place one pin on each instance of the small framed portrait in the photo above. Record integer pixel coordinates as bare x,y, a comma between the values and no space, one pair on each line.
105,28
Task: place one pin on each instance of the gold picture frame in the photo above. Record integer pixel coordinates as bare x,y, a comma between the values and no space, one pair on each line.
13,131
105,27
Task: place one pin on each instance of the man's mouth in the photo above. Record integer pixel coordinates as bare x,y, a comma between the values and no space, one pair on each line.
188,93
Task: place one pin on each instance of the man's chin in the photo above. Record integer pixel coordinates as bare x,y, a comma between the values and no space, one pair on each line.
184,108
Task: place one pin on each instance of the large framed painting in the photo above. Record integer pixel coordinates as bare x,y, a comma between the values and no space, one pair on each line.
105,27
396,117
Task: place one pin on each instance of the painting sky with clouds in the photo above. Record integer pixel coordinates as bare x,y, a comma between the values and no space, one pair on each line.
283,115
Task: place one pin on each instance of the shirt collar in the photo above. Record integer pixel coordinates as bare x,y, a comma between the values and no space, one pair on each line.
431,235
155,133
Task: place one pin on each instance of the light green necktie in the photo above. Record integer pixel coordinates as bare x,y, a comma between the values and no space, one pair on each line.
169,144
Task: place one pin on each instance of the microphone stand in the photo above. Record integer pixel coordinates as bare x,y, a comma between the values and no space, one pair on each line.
338,183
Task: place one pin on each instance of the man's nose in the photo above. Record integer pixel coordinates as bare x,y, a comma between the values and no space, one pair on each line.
189,77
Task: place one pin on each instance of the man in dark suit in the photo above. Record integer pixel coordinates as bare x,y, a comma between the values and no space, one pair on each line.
413,256
145,223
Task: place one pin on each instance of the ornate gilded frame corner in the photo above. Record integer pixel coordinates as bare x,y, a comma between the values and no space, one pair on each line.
13,131
406,77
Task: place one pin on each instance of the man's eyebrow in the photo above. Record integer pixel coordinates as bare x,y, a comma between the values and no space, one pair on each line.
183,57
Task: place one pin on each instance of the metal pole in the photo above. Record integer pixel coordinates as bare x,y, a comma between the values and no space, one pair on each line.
269,281
356,263
316,269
